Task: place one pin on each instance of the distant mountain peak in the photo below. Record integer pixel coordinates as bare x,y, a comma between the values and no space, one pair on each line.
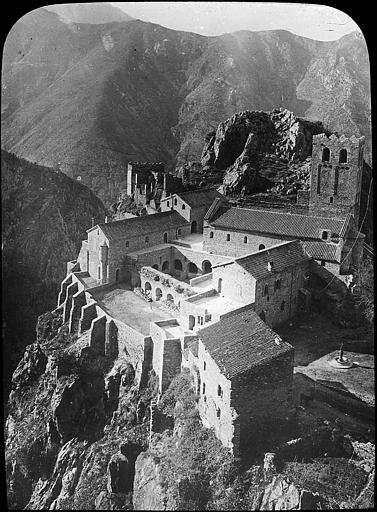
94,13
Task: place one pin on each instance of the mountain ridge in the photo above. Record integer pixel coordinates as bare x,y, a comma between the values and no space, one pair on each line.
139,91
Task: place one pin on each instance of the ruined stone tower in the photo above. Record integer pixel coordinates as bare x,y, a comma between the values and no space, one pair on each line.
336,176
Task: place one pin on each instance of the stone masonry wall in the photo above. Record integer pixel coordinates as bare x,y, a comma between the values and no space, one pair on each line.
261,397
280,304
335,187
236,284
210,401
236,246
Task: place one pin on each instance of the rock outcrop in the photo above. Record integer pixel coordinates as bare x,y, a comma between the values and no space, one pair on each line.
257,150
281,494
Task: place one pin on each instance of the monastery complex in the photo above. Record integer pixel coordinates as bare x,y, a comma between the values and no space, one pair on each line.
201,284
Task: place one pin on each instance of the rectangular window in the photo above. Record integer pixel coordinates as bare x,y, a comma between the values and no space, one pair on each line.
219,413
219,391
228,237
204,388
323,263
127,243
204,365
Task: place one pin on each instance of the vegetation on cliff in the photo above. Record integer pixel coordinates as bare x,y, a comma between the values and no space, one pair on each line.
45,216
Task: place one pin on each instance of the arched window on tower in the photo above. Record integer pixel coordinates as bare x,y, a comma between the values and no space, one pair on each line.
325,235
325,155
343,156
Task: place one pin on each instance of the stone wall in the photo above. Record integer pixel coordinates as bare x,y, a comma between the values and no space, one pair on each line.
235,284
236,246
261,397
167,353
214,399
335,187
281,304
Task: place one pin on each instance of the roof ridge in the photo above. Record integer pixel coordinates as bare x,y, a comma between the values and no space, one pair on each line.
287,213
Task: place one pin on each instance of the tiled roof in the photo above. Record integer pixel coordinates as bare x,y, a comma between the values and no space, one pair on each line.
127,228
276,223
200,197
213,208
321,251
282,256
240,342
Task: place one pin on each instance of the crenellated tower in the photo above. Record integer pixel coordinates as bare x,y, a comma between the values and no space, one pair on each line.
336,173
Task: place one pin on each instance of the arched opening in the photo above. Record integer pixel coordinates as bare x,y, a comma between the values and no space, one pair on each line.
165,238
324,235
325,155
155,266
177,265
228,237
175,201
99,274
87,262
158,293
147,287
170,298
194,226
245,239
165,266
191,322
211,234
262,316
206,267
343,156
192,268
179,232
261,247
117,275
219,285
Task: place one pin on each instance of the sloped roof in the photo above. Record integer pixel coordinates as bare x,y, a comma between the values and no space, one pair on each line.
276,223
128,228
199,198
241,341
283,256
321,251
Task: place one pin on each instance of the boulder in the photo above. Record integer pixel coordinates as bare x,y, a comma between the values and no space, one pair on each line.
281,494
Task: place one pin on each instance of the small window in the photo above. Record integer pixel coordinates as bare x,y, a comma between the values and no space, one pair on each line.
211,234
147,239
261,247
325,155
228,237
179,232
183,207
175,201
343,156
127,243
168,203
204,388
219,413
331,200
265,291
282,306
323,263
219,391
245,239
204,365
324,235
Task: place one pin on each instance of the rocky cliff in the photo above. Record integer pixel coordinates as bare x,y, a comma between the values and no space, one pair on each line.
88,98
45,216
77,438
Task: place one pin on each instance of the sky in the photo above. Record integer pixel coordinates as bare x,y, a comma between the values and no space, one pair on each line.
319,22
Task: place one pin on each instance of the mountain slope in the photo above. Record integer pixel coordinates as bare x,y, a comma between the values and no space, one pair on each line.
44,218
89,98
94,13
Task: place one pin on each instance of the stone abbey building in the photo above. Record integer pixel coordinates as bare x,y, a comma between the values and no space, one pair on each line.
201,284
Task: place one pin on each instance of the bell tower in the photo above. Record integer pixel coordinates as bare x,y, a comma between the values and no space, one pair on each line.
335,183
